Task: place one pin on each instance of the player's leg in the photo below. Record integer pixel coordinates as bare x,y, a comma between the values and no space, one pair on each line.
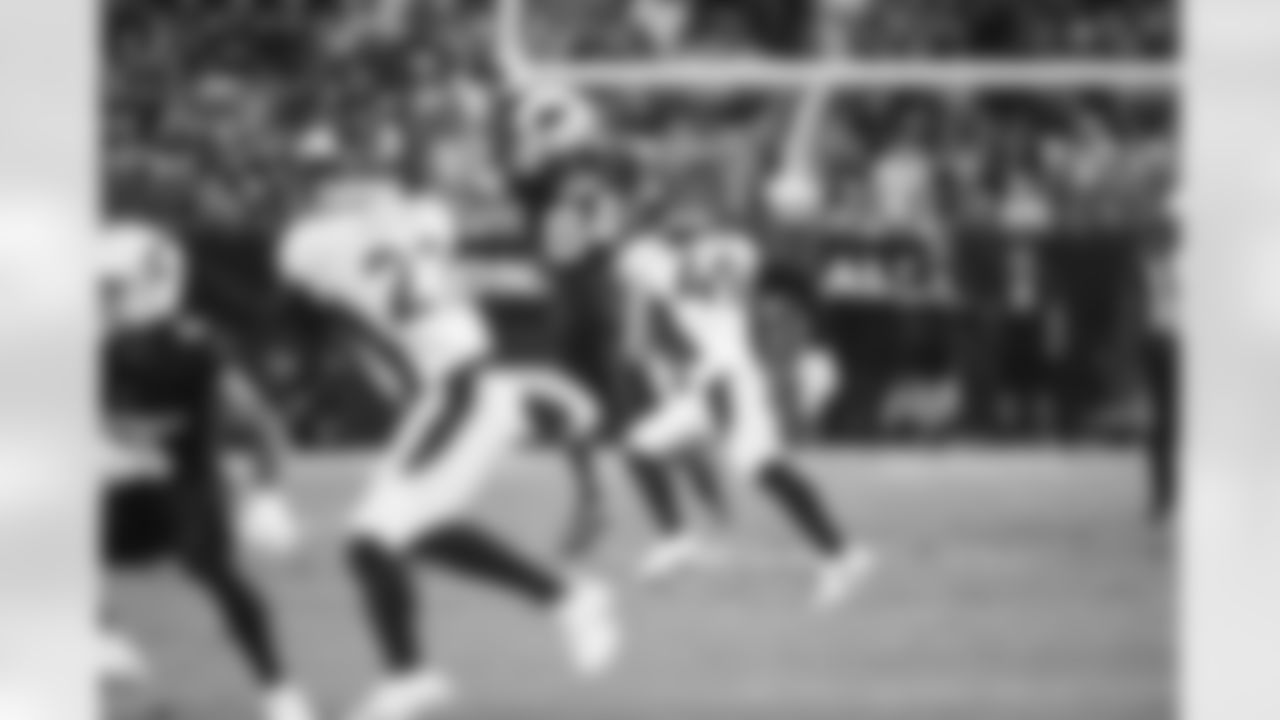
582,607
1163,385
573,410
694,470
707,483
381,562
417,510
752,449
136,527
588,519
463,545
656,446
208,553
586,453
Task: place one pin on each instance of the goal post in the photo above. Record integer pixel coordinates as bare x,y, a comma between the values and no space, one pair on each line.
809,86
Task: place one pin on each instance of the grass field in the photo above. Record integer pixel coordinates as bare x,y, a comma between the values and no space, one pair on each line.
1015,586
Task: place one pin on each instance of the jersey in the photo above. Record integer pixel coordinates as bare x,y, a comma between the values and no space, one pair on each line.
586,322
162,388
414,292
648,275
713,309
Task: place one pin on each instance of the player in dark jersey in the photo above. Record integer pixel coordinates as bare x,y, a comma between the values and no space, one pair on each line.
580,205
794,340
173,402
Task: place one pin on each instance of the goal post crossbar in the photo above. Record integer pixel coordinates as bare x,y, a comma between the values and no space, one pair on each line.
928,75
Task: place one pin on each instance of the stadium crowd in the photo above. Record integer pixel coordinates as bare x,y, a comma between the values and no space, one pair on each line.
852,28
990,246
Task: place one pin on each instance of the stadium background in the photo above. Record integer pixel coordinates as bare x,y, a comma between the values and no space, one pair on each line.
1015,299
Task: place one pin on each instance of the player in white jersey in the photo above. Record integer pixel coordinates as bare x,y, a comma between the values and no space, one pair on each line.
649,269
465,417
724,403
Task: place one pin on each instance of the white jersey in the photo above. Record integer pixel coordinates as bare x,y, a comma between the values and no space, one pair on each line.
425,302
712,309
648,271
396,266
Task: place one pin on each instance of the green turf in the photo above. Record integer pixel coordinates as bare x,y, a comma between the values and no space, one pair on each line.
1015,586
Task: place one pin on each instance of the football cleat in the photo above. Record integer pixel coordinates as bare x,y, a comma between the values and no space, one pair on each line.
841,577
287,703
675,555
408,697
588,619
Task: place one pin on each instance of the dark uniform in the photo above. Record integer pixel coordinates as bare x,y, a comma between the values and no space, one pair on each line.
587,330
788,322
577,204
167,382
1164,379
166,379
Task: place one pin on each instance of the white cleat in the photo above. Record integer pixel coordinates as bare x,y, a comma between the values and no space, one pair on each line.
409,697
588,619
675,555
120,660
842,577
287,703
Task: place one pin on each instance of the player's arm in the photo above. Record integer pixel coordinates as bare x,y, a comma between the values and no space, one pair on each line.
267,520
647,278
816,368
795,287
382,361
251,424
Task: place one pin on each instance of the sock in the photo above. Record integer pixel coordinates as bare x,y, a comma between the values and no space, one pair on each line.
710,489
244,615
798,498
587,522
657,490
473,551
390,605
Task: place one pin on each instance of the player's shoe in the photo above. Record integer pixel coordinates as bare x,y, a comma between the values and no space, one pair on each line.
842,576
588,619
408,697
287,703
676,555
120,660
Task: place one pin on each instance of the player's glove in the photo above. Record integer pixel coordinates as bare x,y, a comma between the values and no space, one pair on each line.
269,525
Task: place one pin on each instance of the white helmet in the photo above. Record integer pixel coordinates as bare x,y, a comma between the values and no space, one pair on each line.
431,223
142,272
319,254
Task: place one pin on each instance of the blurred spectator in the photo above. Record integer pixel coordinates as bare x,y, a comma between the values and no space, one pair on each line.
856,28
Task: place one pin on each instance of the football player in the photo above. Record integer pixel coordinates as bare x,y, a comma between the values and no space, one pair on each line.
397,275
724,402
174,397
655,351
577,192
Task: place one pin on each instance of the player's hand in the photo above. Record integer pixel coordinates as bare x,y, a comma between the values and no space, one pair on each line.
817,380
269,525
